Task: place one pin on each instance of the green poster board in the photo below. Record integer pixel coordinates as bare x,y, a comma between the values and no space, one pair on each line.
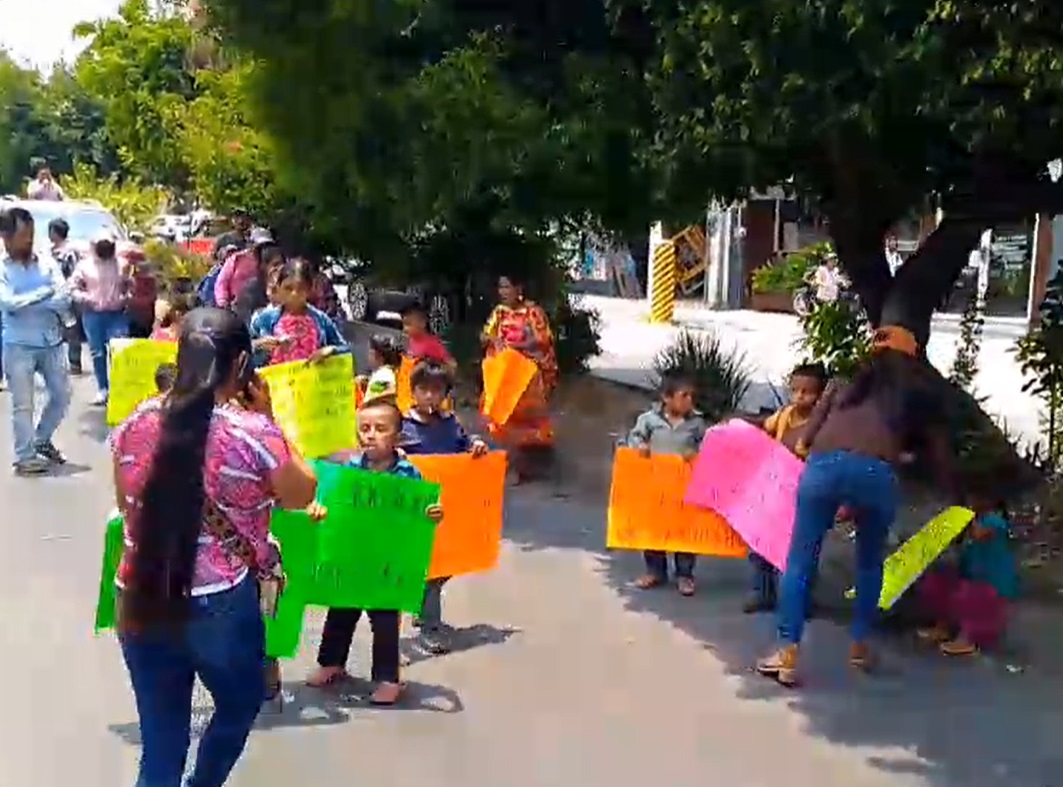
376,542
371,551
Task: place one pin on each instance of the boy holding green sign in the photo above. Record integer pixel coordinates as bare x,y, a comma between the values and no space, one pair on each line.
379,423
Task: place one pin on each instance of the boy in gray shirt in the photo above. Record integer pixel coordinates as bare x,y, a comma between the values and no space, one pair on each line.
672,426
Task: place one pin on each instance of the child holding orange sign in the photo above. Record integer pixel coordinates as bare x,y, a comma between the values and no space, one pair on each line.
787,425
426,429
672,426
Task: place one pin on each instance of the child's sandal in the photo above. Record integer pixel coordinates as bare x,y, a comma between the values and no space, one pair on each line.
648,581
934,634
386,694
959,647
685,586
324,677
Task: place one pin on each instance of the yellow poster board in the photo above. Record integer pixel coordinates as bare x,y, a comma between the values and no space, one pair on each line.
914,556
133,363
313,403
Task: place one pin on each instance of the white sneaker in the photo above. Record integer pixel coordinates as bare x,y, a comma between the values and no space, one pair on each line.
100,400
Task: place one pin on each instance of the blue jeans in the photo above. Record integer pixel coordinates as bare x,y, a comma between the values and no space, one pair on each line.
22,364
657,564
100,328
223,642
868,486
765,580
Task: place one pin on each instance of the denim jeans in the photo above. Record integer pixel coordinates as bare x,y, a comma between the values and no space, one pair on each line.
868,486
657,564
73,343
22,366
223,642
765,579
432,604
100,328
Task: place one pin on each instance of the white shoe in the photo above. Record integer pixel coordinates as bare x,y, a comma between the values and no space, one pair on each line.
100,400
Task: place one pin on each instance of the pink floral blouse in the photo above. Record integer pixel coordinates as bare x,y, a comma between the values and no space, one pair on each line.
243,448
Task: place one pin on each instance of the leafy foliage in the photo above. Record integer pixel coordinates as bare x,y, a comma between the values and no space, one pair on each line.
719,372
1040,356
132,203
965,365
785,274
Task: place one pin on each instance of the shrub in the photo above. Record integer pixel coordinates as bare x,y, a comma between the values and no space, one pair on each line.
788,273
719,373
837,335
177,267
1040,356
578,334
965,365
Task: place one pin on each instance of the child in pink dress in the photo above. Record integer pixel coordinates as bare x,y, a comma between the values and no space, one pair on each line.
292,329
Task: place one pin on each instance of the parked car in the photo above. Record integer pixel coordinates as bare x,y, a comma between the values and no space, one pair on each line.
88,220
367,301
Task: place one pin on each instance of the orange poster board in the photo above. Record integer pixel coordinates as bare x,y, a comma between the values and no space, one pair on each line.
646,510
404,393
470,536
507,376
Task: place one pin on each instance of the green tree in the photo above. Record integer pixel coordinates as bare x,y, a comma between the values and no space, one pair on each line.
431,119
136,66
871,108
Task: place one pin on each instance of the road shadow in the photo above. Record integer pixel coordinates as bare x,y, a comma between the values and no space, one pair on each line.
951,723
301,705
459,640
92,423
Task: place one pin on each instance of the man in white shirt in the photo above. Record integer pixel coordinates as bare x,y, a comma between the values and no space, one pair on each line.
827,279
44,187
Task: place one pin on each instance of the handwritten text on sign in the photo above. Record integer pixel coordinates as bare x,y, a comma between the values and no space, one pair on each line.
469,537
314,403
646,510
133,365
751,481
914,556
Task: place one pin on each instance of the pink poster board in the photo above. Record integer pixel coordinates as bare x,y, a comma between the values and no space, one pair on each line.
751,481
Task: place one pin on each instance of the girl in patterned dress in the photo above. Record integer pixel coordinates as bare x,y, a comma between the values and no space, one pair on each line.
292,329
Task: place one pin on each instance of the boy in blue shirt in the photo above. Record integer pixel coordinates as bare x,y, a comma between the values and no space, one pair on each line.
379,425
427,429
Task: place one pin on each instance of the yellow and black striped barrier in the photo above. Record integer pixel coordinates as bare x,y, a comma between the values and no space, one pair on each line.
662,293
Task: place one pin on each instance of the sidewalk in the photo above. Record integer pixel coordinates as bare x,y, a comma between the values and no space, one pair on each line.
629,344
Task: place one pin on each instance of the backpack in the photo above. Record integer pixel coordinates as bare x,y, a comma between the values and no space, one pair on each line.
205,290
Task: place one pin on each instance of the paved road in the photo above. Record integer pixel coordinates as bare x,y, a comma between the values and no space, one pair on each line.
569,677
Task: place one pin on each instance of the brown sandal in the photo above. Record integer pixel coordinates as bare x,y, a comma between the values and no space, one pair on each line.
861,658
960,646
781,666
648,581
386,694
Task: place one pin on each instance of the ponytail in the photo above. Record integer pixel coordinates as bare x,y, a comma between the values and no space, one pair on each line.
170,513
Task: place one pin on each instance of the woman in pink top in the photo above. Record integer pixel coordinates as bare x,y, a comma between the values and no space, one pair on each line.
100,285
241,269
196,473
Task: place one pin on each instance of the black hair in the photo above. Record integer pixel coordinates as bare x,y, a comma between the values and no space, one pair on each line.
430,374
813,371
164,377
296,269
269,254
385,403
388,348
240,213
12,219
167,527
59,227
889,378
673,382
413,307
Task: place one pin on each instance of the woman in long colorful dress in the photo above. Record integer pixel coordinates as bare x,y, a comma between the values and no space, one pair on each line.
522,325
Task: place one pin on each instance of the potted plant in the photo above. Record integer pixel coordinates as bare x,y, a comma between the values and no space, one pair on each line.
775,283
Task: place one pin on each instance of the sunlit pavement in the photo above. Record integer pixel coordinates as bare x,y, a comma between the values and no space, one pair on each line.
566,676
